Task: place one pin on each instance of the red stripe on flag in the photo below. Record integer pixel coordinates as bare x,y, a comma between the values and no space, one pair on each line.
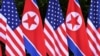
62,44
51,44
94,45
11,48
61,40
2,38
52,35
10,45
58,40
15,42
19,36
2,30
94,34
95,42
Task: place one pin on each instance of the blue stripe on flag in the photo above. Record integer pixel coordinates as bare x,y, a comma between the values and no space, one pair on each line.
73,48
30,49
77,1
35,2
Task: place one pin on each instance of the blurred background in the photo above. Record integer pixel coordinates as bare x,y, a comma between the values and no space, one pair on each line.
42,4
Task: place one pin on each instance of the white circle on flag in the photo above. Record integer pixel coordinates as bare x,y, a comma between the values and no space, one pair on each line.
35,19
74,27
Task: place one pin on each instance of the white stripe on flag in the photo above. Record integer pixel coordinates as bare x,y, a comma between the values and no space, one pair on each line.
15,37
9,51
51,39
58,41
49,36
50,48
94,29
51,29
64,27
65,41
62,36
56,38
20,31
92,48
2,35
14,46
21,34
93,39
2,27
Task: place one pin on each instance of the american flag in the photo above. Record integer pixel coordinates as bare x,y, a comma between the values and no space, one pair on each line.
14,36
55,30
93,27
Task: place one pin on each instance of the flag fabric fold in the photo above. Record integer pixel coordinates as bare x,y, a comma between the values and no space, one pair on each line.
93,27
76,30
33,29
55,30
13,33
2,28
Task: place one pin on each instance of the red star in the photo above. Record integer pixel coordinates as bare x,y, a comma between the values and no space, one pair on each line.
73,21
30,20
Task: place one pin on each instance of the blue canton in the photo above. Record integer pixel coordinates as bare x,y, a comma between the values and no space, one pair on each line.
54,14
9,10
94,15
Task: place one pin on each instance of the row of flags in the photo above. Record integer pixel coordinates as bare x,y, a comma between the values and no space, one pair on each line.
57,35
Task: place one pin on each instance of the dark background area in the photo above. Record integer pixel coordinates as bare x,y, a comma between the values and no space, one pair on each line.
42,4
43,7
